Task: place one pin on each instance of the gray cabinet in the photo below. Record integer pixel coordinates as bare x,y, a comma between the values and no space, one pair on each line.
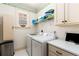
36,48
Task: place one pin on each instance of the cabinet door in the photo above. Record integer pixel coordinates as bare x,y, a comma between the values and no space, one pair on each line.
60,13
73,12
28,45
36,48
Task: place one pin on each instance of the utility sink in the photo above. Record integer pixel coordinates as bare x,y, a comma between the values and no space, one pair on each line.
44,37
41,35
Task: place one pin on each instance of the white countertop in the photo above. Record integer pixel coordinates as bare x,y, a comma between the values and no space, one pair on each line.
68,46
41,38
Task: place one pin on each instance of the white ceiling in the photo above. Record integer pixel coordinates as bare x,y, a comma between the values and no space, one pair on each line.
34,7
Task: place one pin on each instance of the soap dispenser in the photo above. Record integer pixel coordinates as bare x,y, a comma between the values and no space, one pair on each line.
41,32
55,36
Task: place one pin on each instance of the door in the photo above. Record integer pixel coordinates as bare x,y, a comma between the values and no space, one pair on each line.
7,27
1,28
36,48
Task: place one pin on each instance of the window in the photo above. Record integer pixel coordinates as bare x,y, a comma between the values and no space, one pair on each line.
22,19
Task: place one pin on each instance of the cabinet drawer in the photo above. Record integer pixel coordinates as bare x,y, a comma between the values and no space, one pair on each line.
58,51
51,53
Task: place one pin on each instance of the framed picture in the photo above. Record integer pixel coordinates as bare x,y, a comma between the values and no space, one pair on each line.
22,19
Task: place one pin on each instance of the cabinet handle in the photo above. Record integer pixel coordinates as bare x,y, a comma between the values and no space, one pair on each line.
58,53
64,21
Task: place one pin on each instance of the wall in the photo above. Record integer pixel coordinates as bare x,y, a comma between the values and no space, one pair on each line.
61,31
19,34
49,26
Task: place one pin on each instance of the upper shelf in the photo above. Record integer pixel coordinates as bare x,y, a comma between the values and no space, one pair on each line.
48,15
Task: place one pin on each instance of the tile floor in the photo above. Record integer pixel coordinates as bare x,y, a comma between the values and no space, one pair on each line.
21,53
